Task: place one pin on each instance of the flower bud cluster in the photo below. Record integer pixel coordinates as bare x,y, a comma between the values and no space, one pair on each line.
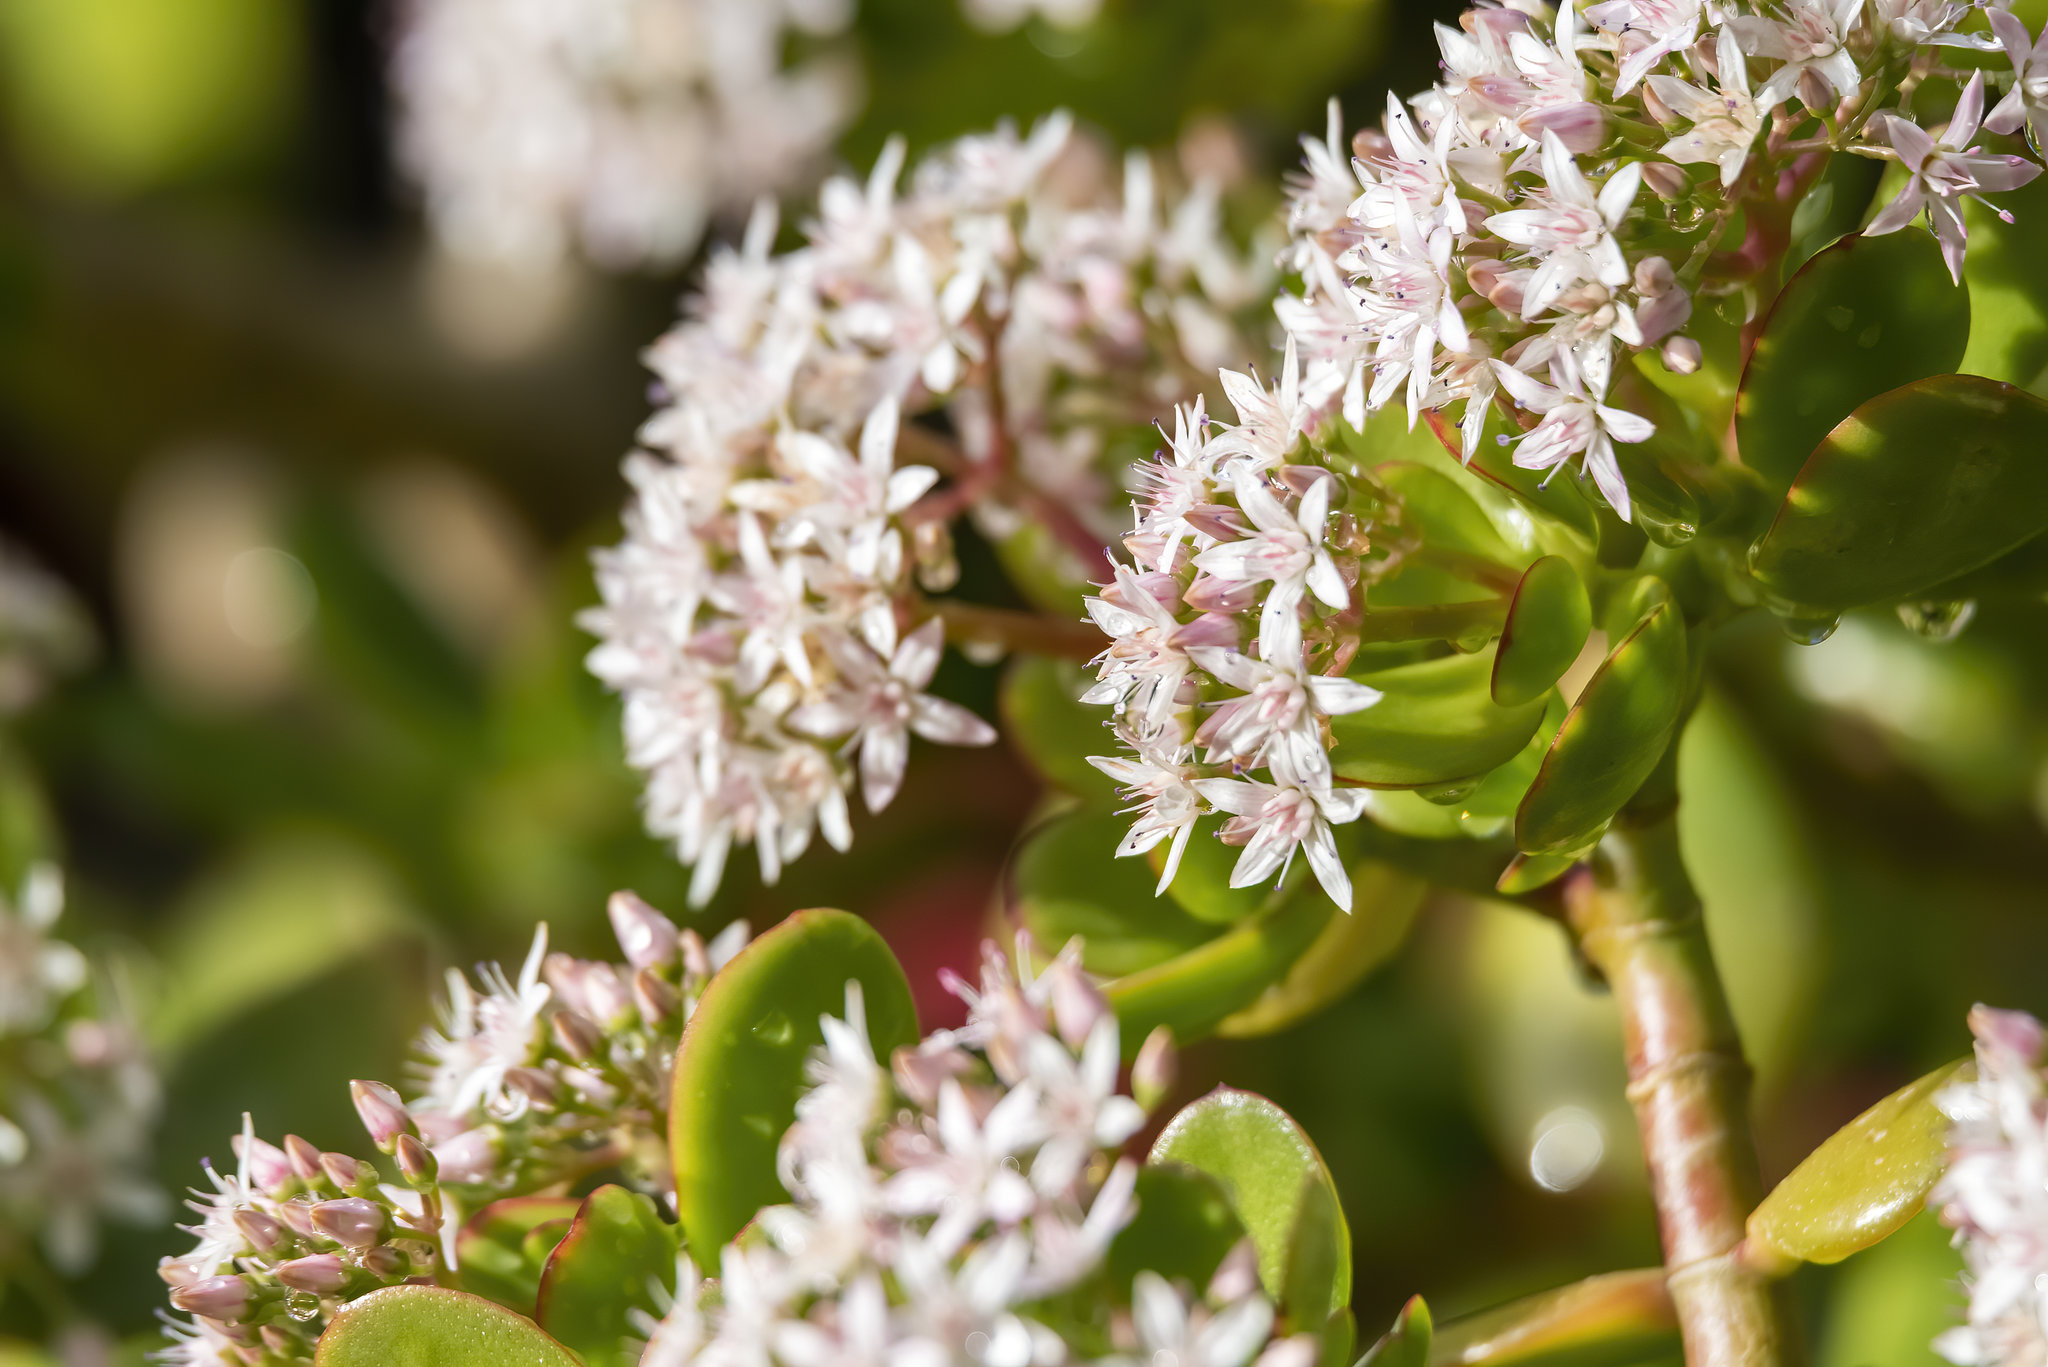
957,1204
1249,573
758,618
78,1096
564,1070
1583,175
536,128
1995,1192
292,1235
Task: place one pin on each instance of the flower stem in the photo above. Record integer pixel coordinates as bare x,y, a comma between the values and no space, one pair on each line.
1032,633
1638,920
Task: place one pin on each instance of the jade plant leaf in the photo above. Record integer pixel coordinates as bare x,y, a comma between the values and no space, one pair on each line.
2007,276
1548,621
1201,885
1919,485
492,1251
1056,732
1066,880
1864,1182
426,1326
1611,739
1407,1343
1184,1227
741,1065
1193,992
1448,517
615,1252
1864,316
1617,1319
1266,1165
1435,722
1384,901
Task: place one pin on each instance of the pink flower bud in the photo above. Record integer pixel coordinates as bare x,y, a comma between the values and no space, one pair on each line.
575,1034
304,1158
387,1262
176,1272
1213,519
609,998
1667,182
1654,276
1814,91
647,937
345,1172
1655,106
416,1161
696,962
1681,355
383,1114
1229,596
352,1222
654,998
563,974
536,1086
1664,315
216,1298
323,1274
469,1157
269,1169
1581,127
297,1216
2006,1040
263,1233
1077,1004
1153,1071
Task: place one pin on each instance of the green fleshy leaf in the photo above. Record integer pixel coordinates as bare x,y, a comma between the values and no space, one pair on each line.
1528,872
492,1251
1183,1229
741,1065
1865,1181
1045,569
1619,1319
1066,880
1548,621
1446,516
1266,1166
2007,275
1201,885
1436,722
1407,1343
616,1251
1611,740
1044,719
1920,485
1835,207
1864,316
1194,992
426,1326
1384,901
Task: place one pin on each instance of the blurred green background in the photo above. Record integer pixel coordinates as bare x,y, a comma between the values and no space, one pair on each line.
337,736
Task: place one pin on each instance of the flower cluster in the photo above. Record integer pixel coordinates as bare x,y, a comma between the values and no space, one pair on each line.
1575,182
532,128
762,618
957,1204
78,1097
1995,1193
527,1084
564,1070
44,631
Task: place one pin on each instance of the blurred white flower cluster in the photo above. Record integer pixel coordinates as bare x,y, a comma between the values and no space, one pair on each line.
528,1083
1581,174
44,630
957,1203
991,327
537,127
78,1096
1995,1193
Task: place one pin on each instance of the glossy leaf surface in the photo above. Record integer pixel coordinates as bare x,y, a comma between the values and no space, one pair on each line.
1866,1180
1618,1319
1383,906
2007,276
1044,719
1548,621
1864,316
1611,740
1445,515
1194,992
1435,722
1920,485
1067,881
492,1249
1407,1344
1263,1161
1184,1226
615,1251
425,1326
740,1069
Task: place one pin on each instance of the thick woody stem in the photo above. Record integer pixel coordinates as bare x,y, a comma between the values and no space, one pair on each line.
1638,920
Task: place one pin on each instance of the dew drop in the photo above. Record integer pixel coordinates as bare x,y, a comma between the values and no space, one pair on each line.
1448,794
301,1305
775,1028
1938,621
1809,631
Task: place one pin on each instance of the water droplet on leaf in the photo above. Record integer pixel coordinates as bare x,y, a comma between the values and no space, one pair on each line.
1938,621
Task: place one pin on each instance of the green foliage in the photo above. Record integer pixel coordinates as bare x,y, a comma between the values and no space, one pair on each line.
1055,732
2007,276
1547,625
1436,722
1384,901
503,1249
1862,317
615,1252
1184,1227
1922,484
1614,736
425,1326
1620,1319
1864,1182
1194,992
1407,1343
1066,881
741,1066
1269,1168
